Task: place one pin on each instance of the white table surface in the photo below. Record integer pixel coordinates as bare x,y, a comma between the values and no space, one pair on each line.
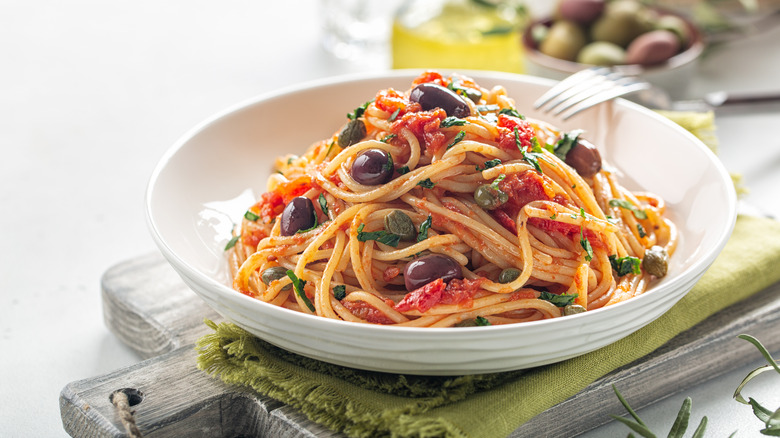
93,92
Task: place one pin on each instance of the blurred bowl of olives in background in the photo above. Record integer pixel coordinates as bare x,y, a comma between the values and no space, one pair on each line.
639,40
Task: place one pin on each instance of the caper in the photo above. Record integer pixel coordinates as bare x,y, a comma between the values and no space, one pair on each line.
656,261
573,309
274,273
489,197
508,275
352,133
398,222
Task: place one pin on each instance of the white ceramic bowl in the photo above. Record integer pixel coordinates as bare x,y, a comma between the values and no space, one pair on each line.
201,184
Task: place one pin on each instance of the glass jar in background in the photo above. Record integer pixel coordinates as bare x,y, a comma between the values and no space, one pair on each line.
466,34
358,30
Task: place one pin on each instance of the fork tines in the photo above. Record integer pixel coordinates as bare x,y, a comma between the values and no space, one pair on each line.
585,89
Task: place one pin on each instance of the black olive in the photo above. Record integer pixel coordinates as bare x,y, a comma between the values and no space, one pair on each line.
584,158
353,132
431,96
372,167
425,269
298,215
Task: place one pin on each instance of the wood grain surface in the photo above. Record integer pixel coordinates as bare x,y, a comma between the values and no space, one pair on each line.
149,308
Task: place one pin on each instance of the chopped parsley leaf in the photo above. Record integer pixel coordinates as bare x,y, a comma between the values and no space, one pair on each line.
359,111
380,236
566,142
388,137
424,227
584,242
496,181
530,157
511,112
641,230
489,164
457,139
487,108
298,285
622,203
330,147
624,265
339,292
458,89
481,321
451,121
323,204
403,170
232,242
561,300
251,216
426,183
394,115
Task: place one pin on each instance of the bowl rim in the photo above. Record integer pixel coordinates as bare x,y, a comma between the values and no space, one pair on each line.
696,268
690,55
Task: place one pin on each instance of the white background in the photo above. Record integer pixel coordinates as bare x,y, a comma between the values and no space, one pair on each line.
93,92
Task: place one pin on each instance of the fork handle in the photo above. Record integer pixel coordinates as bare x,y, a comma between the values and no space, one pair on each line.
723,98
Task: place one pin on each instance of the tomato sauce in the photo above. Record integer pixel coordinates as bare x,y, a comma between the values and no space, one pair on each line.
459,292
506,133
425,126
367,312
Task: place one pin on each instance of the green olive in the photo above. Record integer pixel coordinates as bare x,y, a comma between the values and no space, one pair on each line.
398,222
573,309
564,40
656,261
602,53
622,21
489,197
274,273
352,133
677,26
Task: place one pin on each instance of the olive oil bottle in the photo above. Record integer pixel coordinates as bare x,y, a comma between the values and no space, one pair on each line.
459,34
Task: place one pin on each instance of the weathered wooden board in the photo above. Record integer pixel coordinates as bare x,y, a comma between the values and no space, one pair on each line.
148,307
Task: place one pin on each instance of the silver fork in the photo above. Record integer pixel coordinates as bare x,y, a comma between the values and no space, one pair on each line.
585,89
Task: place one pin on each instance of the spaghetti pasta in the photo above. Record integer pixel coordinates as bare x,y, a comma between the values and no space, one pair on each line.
443,206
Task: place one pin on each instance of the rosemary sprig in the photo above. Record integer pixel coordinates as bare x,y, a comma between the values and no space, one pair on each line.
678,428
771,419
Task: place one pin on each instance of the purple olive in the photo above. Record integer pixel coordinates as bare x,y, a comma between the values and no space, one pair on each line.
581,11
298,215
372,167
584,158
430,96
425,269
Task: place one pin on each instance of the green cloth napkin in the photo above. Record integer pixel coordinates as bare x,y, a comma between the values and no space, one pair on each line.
370,404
